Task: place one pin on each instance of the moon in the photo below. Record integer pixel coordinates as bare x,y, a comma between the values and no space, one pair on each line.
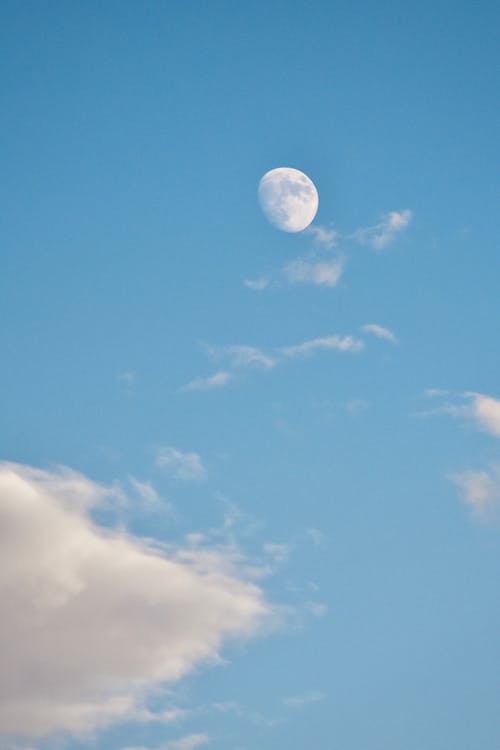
288,198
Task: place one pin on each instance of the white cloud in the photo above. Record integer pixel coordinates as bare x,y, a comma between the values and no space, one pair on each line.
339,343
189,742
485,410
241,356
480,491
92,618
182,465
218,380
380,332
314,271
257,285
323,236
382,234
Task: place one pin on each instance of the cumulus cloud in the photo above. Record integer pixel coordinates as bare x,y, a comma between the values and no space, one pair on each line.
218,380
92,618
181,465
382,234
338,343
480,490
380,332
314,271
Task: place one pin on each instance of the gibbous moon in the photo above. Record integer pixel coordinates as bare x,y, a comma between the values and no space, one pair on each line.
288,198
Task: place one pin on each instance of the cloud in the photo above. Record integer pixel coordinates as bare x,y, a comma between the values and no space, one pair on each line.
241,356
479,408
339,343
257,285
94,618
314,271
480,491
299,701
435,393
181,465
382,234
380,332
218,380
189,742
485,410
323,236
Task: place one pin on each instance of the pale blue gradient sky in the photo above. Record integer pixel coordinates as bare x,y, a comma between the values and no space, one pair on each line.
134,137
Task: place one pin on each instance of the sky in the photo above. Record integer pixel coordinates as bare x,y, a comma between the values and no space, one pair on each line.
249,478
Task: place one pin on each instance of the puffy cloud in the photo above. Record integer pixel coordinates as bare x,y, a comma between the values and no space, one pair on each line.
182,465
339,343
93,618
382,234
485,410
314,271
217,380
380,332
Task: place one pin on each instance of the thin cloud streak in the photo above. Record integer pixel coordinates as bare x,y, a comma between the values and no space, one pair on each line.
380,332
218,380
338,343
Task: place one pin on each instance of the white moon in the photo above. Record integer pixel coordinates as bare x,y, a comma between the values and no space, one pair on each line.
288,198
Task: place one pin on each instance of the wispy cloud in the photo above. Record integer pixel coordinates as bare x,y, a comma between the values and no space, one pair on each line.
218,380
257,285
436,393
147,494
338,343
382,234
482,410
314,271
322,236
480,490
189,742
241,356
305,699
380,332
181,465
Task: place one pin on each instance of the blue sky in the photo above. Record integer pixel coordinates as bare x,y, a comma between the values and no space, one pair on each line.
216,536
